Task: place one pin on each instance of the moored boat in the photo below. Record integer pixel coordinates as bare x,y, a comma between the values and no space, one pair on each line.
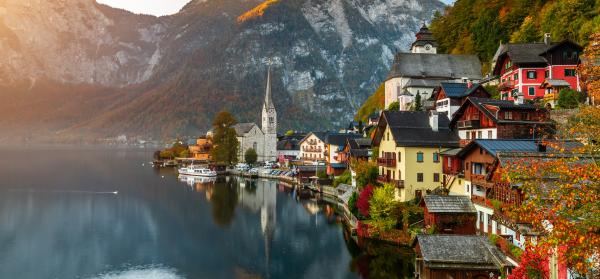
197,171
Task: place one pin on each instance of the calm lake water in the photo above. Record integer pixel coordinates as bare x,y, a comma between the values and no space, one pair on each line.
98,213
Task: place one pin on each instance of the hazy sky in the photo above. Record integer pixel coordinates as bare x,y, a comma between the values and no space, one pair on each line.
160,7
152,7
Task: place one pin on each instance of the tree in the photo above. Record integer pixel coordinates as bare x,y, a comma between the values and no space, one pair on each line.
562,202
589,69
394,106
289,132
250,156
381,206
568,99
417,106
528,32
345,178
531,265
225,143
366,172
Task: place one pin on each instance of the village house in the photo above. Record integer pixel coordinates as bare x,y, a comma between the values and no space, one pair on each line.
423,69
334,144
312,147
409,146
449,214
459,257
288,148
201,150
358,149
537,70
491,194
449,96
479,118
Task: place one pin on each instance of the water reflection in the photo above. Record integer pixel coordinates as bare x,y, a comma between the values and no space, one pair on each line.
160,224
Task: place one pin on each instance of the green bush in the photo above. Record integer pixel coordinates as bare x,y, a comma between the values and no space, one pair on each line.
344,178
568,99
394,106
352,204
381,207
322,174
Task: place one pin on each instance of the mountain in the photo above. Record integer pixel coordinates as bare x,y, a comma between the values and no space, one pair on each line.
76,69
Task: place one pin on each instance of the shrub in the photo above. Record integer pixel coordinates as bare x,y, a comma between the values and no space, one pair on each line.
363,200
381,207
394,106
352,204
568,99
345,178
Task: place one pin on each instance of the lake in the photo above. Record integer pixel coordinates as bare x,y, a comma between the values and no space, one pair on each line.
106,213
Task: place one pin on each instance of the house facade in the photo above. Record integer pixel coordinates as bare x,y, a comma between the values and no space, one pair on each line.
249,135
201,150
334,145
524,68
409,151
449,96
312,147
449,214
480,118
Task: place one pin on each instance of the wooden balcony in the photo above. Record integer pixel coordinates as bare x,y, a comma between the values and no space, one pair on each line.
481,201
469,124
506,85
397,183
386,162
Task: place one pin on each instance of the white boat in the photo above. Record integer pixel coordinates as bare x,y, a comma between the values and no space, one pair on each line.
193,180
197,171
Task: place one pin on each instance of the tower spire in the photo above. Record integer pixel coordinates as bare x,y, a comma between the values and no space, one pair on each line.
268,100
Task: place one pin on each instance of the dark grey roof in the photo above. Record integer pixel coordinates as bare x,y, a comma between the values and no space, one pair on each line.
449,204
424,36
528,53
451,152
557,82
481,104
339,139
363,142
461,251
288,144
454,89
411,128
439,66
320,135
242,128
425,83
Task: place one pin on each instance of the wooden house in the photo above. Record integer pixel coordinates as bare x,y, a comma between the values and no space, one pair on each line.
449,96
450,214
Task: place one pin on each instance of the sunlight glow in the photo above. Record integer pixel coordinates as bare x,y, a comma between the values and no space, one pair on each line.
150,7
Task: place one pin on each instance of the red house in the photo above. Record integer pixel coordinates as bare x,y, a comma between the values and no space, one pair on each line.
523,68
450,214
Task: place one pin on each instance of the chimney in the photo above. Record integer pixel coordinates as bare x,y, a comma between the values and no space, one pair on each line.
547,39
519,99
434,120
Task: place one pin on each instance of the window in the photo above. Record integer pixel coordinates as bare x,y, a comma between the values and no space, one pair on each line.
524,116
547,74
508,115
420,177
420,157
436,177
468,134
570,72
479,134
449,161
436,157
387,136
531,74
490,135
478,168
574,55
565,55
399,157
516,77
531,91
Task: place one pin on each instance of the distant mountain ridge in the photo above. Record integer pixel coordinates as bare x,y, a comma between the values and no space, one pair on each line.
78,69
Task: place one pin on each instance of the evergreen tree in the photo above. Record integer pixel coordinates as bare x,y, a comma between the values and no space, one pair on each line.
225,143
250,156
417,106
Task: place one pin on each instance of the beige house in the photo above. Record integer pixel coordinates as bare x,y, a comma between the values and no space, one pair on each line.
312,147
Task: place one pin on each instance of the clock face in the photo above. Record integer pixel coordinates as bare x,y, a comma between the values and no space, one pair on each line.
428,47
271,110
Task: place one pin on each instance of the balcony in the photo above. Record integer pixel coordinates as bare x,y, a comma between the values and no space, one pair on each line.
386,162
506,85
481,201
469,124
397,183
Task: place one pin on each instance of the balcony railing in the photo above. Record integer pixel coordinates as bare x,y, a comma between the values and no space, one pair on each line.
386,162
506,85
481,201
469,124
397,183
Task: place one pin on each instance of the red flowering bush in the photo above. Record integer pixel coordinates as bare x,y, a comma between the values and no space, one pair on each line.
363,200
533,265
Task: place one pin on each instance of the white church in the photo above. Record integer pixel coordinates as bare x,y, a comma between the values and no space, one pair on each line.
263,139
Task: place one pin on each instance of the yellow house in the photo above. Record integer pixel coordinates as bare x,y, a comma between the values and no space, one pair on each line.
409,146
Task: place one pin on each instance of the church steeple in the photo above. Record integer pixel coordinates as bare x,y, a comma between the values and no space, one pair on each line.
269,114
425,42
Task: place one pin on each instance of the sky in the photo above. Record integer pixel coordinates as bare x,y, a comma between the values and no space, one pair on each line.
151,7
160,7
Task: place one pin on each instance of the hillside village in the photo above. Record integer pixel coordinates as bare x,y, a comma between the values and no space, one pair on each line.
442,147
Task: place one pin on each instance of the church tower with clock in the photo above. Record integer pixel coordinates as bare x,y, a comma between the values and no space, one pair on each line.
425,42
269,124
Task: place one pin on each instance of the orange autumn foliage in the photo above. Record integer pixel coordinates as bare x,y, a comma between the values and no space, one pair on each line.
589,69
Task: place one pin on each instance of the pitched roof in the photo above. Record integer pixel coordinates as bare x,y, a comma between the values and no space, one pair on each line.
449,204
515,146
411,128
288,144
454,89
426,83
339,139
482,103
242,128
460,251
556,82
424,36
526,53
322,136
441,66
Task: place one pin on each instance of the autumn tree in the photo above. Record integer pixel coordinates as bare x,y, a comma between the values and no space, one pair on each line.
225,143
366,172
381,207
562,202
589,69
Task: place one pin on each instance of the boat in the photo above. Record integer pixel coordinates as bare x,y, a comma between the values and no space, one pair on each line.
197,171
193,180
